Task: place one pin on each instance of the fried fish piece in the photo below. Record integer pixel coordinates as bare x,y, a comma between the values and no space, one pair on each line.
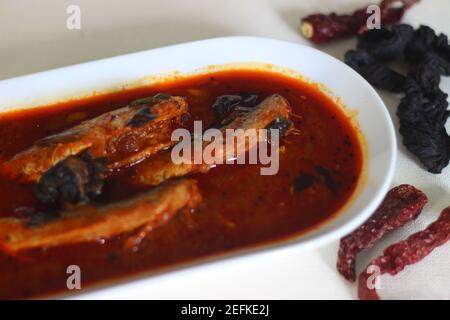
124,136
273,112
86,224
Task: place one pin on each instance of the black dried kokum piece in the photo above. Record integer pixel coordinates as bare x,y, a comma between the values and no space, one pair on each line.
422,126
384,44
423,41
75,180
377,74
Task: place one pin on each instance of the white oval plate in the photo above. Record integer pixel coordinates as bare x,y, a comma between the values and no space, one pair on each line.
118,72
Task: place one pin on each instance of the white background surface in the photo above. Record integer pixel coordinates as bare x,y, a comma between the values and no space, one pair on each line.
34,37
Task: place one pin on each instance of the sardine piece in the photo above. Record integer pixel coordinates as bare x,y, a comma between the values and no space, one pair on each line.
87,224
124,136
274,112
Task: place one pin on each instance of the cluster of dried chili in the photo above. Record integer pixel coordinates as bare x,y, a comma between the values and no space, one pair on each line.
401,205
412,250
321,28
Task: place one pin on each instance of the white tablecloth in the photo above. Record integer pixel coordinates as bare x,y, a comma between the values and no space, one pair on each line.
34,37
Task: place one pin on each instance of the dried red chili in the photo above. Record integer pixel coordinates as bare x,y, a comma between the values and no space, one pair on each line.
401,205
320,28
397,256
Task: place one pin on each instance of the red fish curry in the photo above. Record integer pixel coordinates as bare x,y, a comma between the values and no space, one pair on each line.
320,166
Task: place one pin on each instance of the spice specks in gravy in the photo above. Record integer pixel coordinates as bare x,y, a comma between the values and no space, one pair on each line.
318,173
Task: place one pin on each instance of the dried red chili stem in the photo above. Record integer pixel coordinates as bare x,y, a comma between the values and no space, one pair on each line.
407,252
401,205
321,28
